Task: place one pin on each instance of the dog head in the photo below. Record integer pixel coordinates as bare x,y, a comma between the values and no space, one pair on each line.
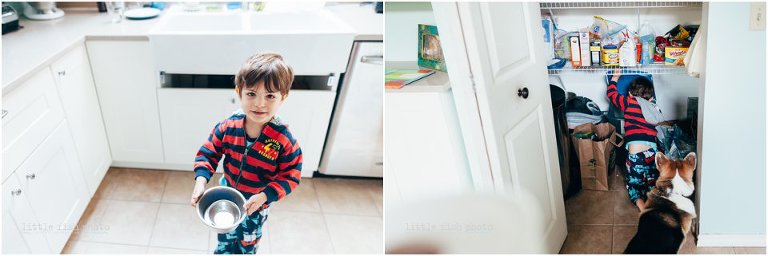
676,176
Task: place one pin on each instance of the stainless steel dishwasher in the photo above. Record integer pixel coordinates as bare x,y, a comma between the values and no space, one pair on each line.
354,145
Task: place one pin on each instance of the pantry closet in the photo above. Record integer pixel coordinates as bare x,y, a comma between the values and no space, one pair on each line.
672,83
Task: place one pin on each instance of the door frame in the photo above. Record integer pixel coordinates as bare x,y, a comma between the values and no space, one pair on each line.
463,90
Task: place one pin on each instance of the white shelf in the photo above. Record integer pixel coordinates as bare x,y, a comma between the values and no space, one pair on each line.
650,69
592,5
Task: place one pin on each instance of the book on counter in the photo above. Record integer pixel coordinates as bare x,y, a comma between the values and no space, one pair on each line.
397,78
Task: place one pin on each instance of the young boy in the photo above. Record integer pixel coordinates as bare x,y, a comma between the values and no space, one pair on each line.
639,137
263,160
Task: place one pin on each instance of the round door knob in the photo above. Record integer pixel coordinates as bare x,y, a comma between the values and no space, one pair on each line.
233,100
523,92
31,176
16,192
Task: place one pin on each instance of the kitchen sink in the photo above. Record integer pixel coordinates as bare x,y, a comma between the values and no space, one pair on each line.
293,22
184,23
313,42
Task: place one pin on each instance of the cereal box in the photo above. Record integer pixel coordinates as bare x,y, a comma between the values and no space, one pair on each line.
674,55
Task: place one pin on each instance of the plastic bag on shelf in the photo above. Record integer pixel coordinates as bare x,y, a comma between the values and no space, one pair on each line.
606,30
677,33
647,40
562,45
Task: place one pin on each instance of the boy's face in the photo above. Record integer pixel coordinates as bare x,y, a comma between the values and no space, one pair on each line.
260,105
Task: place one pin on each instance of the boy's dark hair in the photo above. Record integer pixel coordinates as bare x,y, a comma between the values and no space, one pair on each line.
641,87
267,67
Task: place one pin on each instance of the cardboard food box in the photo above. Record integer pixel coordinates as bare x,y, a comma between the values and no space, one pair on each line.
674,55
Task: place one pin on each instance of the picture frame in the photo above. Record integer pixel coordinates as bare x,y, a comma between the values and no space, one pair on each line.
430,51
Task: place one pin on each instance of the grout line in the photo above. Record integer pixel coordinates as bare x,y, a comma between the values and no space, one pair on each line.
322,213
332,213
154,224
147,246
613,233
112,243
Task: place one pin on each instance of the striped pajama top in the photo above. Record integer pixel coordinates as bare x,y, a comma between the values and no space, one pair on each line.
271,165
635,126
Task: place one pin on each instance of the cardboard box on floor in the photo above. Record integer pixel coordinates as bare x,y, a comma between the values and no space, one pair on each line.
594,155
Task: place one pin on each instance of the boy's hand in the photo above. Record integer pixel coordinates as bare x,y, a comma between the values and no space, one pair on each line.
198,190
616,75
255,202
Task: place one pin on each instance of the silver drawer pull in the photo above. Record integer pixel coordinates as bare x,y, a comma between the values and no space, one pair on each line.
31,176
372,59
63,73
5,113
16,192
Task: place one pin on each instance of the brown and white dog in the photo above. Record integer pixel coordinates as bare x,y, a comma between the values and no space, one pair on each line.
668,211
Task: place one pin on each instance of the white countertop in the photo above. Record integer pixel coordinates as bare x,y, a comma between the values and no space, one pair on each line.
363,18
39,43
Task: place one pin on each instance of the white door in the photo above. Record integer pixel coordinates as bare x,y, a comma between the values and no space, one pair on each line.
55,187
81,106
185,133
308,113
21,232
126,85
502,44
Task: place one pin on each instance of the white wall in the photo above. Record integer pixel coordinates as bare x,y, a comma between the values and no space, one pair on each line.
732,181
401,30
672,91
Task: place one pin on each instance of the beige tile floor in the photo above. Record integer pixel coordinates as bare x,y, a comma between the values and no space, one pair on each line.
603,222
139,211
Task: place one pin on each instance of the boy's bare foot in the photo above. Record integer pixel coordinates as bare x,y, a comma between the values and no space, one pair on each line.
640,204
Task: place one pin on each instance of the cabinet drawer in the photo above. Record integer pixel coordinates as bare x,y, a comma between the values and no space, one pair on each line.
30,113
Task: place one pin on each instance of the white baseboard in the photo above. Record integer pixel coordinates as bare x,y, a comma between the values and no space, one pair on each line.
176,167
721,240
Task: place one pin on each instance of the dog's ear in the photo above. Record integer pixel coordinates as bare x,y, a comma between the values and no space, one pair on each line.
690,159
661,159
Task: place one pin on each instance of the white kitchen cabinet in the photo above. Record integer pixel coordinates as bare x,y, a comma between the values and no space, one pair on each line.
187,123
126,86
18,221
423,146
55,187
81,107
308,113
354,146
29,113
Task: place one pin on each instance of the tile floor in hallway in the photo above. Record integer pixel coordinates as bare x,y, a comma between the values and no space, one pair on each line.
138,211
603,222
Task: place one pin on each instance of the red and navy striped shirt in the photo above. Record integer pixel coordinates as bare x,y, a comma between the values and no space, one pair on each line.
271,165
635,126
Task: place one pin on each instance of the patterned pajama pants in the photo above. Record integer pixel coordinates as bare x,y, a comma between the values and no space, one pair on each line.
245,238
641,174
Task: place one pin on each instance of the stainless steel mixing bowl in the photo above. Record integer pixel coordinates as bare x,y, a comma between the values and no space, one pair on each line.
218,200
